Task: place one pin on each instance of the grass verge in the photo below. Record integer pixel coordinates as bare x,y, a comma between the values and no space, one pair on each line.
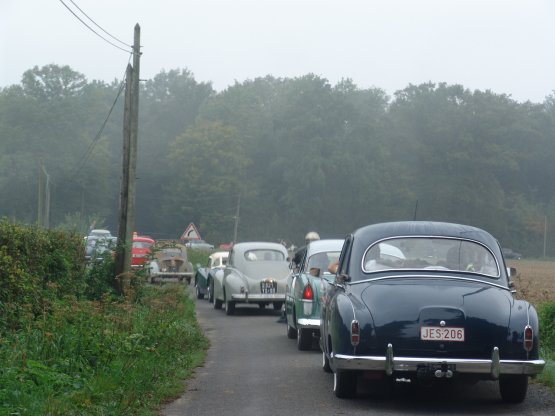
103,357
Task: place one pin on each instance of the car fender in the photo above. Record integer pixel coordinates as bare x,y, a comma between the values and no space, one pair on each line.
218,277
233,281
522,314
341,314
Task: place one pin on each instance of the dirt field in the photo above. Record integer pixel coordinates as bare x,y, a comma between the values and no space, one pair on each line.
535,280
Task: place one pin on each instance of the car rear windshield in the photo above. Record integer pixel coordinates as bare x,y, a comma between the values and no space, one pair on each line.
322,261
264,255
431,253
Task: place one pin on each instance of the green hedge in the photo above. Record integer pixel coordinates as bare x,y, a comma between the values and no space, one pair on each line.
546,315
36,267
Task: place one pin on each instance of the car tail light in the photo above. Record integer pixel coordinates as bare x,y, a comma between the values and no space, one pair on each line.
528,338
308,293
355,333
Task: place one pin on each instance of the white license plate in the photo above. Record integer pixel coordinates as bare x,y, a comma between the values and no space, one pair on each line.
438,333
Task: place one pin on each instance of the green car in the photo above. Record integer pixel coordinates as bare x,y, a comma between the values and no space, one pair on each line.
304,289
205,275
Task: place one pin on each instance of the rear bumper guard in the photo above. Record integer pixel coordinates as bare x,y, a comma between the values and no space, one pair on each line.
390,364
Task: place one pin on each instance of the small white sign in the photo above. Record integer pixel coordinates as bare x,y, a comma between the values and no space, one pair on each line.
190,233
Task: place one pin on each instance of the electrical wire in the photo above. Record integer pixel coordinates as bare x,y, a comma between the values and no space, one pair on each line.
98,26
89,150
92,30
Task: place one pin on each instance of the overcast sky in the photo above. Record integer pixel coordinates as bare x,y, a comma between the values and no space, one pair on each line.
506,46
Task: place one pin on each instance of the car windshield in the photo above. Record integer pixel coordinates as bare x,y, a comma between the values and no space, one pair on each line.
321,261
431,253
141,244
264,255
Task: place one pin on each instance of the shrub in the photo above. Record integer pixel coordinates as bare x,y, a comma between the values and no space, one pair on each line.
546,315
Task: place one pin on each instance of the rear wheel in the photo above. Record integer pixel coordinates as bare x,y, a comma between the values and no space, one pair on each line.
291,332
304,339
277,306
513,388
216,302
199,295
325,363
262,305
344,384
229,307
210,290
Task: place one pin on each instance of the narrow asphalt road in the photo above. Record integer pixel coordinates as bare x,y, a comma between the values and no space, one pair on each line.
252,368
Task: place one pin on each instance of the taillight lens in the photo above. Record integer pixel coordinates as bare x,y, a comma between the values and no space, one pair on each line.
355,333
308,293
528,338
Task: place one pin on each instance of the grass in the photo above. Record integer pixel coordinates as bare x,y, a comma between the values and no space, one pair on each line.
102,358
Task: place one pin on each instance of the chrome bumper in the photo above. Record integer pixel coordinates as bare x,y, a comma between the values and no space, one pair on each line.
258,297
308,323
492,367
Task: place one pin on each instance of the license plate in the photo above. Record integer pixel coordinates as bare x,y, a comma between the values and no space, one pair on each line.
437,333
268,287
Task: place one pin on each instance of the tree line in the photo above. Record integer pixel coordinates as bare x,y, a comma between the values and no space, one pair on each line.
289,154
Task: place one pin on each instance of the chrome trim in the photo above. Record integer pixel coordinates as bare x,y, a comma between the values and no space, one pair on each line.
389,361
435,276
256,297
495,363
462,365
308,323
439,237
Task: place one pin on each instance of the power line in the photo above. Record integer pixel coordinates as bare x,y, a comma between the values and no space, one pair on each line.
94,31
89,150
98,26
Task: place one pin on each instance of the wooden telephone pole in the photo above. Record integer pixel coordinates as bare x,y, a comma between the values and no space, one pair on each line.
130,133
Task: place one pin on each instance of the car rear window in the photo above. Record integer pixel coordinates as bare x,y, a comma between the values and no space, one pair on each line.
431,253
264,255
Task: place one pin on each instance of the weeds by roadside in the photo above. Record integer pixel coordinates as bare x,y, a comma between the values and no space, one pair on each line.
101,357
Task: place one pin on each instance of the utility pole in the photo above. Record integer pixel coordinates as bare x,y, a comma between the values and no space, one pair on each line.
236,219
43,211
129,165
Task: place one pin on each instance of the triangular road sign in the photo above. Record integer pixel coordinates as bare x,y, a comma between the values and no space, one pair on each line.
190,233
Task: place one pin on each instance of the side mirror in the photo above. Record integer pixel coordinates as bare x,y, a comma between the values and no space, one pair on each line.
342,279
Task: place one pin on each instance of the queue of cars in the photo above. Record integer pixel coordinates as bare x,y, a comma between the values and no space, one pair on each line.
397,302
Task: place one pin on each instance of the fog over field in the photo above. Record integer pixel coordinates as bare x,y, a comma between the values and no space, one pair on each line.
499,45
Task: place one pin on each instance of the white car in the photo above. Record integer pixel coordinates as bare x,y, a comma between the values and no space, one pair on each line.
256,273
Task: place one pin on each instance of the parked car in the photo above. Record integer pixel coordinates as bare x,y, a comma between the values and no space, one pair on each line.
427,301
100,233
255,273
302,290
97,247
509,253
141,249
205,275
170,262
199,245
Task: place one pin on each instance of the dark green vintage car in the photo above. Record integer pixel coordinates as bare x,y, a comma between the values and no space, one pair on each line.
205,275
303,290
427,302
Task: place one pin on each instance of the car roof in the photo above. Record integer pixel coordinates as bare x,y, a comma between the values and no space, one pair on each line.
219,254
143,239
376,232
242,248
319,246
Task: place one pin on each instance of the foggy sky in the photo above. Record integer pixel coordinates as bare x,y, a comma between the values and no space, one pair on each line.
501,45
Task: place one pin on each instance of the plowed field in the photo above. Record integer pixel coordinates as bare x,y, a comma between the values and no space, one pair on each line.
535,280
